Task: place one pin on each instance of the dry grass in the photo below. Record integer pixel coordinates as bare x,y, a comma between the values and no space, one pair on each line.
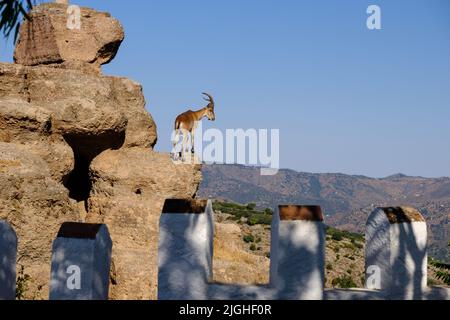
232,263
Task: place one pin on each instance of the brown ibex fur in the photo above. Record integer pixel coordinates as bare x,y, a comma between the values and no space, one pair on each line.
187,122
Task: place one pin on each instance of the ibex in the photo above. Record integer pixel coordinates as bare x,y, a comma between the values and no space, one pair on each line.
187,122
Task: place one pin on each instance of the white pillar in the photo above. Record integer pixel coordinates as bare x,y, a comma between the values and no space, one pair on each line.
185,251
81,262
8,254
396,256
297,253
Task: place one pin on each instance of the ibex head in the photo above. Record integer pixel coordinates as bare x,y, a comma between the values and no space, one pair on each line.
210,107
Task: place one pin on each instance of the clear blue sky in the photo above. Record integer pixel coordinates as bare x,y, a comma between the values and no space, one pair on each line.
346,99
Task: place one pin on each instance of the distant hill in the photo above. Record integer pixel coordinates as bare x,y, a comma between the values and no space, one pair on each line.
345,199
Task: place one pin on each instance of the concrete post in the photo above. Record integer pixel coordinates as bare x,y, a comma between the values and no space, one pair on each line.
185,252
8,254
81,262
396,257
297,254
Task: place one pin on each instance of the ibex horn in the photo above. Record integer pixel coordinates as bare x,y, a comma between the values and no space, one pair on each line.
210,98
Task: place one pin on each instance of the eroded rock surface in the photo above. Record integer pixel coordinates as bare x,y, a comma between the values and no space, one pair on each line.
46,39
76,145
35,205
129,187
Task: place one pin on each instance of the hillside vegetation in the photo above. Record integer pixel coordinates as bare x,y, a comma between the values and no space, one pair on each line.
242,250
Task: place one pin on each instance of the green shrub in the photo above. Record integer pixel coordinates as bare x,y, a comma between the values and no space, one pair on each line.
350,246
249,238
248,212
343,282
266,219
359,245
252,220
339,234
443,276
329,266
251,206
22,284
253,247
228,207
259,218
336,237
443,270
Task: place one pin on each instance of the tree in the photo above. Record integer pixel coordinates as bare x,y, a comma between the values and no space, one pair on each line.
12,13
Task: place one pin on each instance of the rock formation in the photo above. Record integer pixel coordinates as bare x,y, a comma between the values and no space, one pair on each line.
46,39
129,187
76,145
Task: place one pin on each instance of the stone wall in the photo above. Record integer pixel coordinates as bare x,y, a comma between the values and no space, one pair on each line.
396,269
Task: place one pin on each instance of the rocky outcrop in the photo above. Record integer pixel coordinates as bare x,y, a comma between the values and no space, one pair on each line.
35,205
70,109
129,187
46,39
76,145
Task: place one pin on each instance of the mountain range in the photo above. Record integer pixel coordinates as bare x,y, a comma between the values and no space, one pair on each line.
345,199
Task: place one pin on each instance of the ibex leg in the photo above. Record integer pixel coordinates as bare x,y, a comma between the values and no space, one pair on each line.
192,141
175,141
185,140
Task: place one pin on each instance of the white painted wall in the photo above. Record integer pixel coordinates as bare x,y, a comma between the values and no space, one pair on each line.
185,255
398,250
297,259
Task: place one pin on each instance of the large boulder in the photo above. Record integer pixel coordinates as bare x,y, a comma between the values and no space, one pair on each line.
141,129
46,39
26,124
92,113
